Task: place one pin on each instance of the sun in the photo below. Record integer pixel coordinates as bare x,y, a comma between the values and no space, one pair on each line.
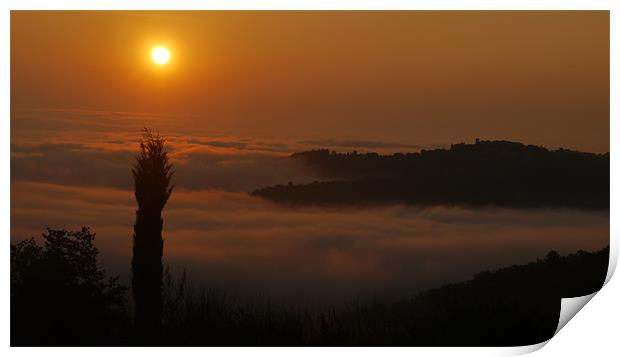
160,55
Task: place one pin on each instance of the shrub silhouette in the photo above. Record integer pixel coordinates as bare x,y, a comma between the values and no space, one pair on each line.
152,175
59,295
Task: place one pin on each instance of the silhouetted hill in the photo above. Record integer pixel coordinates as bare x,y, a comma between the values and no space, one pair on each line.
498,173
518,305
60,297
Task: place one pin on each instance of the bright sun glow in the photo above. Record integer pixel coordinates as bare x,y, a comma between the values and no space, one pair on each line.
160,55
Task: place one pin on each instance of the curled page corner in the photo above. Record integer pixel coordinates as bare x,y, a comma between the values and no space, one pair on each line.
613,261
570,308
523,350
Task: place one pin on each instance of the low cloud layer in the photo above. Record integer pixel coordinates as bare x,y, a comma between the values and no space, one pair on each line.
72,168
250,246
97,148
198,166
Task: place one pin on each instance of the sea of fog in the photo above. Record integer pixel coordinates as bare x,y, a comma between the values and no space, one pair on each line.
72,168
253,248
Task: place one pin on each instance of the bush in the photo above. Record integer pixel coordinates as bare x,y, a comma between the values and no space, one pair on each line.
60,295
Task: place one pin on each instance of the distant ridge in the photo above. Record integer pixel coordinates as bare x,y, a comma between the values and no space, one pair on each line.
485,173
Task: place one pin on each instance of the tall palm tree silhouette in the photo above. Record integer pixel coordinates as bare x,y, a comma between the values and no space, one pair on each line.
152,175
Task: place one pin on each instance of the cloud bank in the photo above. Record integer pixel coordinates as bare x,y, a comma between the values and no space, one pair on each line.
97,148
72,168
251,247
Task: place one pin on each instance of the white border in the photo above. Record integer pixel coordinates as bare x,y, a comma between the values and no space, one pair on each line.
594,330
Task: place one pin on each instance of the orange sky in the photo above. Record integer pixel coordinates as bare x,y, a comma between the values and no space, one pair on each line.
411,77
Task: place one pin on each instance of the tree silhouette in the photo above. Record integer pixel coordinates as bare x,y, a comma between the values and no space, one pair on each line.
152,175
59,294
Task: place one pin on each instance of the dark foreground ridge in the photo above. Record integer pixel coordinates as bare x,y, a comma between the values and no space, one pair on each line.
514,306
487,173
60,297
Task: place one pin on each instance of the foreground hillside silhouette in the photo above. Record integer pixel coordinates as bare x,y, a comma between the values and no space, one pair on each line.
487,173
518,305
59,296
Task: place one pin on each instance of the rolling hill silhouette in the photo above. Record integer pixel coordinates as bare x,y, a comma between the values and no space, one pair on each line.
512,306
486,173
516,305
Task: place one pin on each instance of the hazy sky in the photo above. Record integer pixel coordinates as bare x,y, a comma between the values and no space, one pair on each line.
417,78
243,90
